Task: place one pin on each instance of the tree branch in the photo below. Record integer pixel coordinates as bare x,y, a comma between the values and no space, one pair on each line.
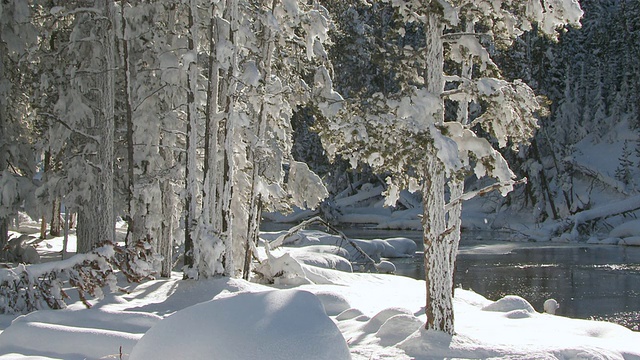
483,191
57,119
317,219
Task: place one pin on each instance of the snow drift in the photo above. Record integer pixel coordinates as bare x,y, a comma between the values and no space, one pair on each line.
285,324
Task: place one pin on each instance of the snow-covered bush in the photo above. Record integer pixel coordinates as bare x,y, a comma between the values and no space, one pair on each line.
27,288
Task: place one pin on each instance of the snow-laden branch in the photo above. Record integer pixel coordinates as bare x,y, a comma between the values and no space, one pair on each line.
481,192
318,220
592,172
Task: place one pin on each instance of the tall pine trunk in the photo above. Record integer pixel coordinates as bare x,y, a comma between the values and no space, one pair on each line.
255,202
191,181
4,221
227,142
96,220
438,272
4,237
437,249
131,223
55,227
165,243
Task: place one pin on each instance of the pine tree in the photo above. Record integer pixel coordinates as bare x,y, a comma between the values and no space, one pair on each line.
17,35
623,171
409,135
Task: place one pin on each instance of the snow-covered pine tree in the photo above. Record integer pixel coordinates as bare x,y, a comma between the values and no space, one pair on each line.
259,56
17,35
150,46
406,134
96,219
81,126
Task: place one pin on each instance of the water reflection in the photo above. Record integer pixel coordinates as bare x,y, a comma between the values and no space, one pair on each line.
601,282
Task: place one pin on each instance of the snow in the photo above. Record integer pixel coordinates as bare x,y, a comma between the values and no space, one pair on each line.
76,334
332,315
280,324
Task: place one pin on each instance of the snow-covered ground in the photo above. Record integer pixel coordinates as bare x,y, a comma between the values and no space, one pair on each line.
328,314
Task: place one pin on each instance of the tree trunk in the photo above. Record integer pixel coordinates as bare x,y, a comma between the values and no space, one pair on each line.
65,239
227,181
4,221
96,220
165,243
454,224
255,202
437,250
129,121
43,220
191,181
4,237
56,224
210,192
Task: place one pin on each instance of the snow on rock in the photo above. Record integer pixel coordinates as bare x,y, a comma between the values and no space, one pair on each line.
282,324
630,241
510,303
629,228
385,267
389,248
550,306
400,247
627,233
78,334
321,259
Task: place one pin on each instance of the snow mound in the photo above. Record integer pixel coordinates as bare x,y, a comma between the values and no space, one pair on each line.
376,322
518,314
397,328
349,314
94,333
283,324
334,303
510,303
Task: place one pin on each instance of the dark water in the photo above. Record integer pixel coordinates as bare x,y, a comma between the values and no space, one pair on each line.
589,281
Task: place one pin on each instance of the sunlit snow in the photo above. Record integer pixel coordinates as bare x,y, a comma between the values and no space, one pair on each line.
334,315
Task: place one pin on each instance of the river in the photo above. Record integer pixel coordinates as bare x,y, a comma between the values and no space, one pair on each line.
589,281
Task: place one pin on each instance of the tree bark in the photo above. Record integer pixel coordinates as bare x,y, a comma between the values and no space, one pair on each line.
4,237
165,243
55,226
96,220
192,113
131,226
255,202
227,142
437,248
